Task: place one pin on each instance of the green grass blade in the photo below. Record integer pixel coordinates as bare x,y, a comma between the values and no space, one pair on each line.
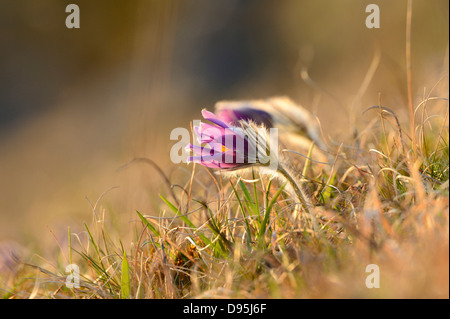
184,219
93,243
308,160
265,221
125,286
177,212
148,225
247,226
103,275
328,191
255,192
251,202
224,245
266,202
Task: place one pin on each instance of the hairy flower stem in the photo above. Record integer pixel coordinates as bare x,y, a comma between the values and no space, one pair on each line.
288,175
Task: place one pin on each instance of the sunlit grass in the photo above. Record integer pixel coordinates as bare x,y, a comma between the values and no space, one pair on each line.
247,238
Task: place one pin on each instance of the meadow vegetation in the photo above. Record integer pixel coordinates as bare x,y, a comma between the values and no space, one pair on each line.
382,202
382,199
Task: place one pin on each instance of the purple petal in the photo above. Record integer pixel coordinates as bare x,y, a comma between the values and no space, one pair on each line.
208,132
195,148
211,163
213,118
224,146
233,116
227,116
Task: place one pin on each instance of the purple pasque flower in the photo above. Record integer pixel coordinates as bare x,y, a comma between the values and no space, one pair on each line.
221,145
246,113
228,147
280,112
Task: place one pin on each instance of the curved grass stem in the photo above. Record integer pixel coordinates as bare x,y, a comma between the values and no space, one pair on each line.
288,175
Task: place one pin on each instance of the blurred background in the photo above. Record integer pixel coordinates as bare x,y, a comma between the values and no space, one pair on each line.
77,104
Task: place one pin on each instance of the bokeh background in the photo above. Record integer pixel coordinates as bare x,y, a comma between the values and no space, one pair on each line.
77,104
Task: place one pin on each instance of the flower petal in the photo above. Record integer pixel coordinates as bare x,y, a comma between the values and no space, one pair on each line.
245,113
213,118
